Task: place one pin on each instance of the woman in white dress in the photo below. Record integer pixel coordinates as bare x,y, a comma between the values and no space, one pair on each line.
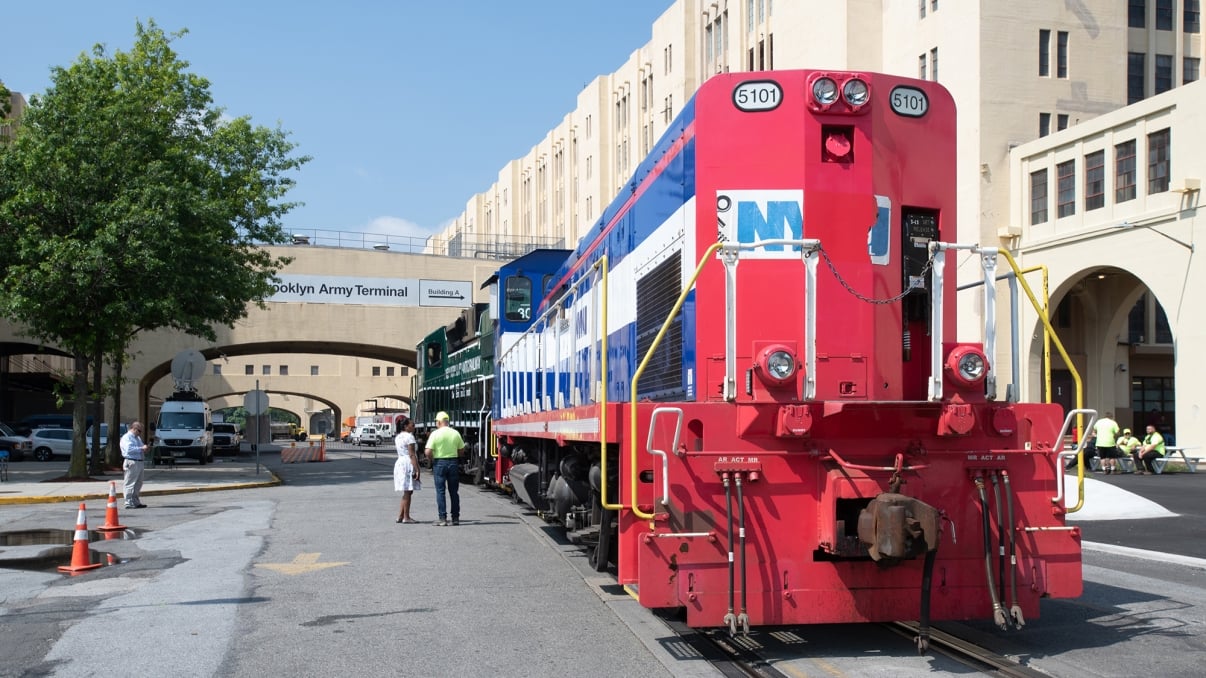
406,469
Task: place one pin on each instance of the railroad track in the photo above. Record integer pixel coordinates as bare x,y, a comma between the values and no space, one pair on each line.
967,653
734,656
739,656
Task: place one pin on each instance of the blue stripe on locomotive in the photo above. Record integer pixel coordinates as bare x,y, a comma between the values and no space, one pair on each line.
660,199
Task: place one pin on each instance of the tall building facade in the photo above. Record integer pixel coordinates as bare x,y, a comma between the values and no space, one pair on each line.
1028,77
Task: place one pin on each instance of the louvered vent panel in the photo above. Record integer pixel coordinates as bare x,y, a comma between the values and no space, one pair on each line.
656,294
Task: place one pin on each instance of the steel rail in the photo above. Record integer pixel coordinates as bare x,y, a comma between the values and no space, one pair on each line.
967,652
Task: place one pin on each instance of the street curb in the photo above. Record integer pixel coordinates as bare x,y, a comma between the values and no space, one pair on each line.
7,501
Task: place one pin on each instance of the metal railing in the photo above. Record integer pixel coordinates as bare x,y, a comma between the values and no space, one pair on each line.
503,249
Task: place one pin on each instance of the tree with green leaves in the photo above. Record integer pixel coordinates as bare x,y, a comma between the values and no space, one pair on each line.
131,203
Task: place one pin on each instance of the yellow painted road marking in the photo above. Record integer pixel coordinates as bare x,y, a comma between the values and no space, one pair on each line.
303,563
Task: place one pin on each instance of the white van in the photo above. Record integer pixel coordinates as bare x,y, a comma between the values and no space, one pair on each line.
385,431
185,429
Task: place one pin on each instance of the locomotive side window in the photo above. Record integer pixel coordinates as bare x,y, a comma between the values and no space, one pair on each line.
433,354
518,299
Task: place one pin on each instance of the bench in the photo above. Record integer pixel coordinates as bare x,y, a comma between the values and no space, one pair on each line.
1191,463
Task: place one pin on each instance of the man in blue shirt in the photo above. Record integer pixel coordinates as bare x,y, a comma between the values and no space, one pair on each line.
133,451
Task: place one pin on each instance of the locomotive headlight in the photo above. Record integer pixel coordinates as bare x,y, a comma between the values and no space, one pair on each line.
825,91
855,92
967,365
971,366
778,364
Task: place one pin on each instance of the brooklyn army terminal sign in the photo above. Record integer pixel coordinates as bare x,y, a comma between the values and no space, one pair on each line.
321,289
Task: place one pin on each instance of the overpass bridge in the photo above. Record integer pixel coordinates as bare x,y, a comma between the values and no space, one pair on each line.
341,330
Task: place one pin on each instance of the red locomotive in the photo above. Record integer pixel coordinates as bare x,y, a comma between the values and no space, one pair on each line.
744,387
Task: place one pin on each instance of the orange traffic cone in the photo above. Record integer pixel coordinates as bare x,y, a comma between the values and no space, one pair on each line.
112,524
81,557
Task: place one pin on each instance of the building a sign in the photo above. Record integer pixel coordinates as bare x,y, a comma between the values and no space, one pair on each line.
324,289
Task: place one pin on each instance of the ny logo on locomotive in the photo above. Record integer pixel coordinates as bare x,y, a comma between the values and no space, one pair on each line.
754,216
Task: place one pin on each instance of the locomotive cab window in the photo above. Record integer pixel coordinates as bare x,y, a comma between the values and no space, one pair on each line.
433,354
518,299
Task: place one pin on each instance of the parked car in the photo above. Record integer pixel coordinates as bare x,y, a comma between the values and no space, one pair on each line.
49,443
226,438
104,434
18,447
366,435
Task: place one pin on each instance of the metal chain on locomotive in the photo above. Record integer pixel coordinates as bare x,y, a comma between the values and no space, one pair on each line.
929,264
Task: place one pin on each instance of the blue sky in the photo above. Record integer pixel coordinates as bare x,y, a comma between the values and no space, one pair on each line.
408,107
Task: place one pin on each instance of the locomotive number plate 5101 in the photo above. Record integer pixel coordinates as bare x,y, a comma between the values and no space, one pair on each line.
757,95
909,101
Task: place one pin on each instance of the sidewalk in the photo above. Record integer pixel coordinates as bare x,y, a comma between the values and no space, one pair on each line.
32,482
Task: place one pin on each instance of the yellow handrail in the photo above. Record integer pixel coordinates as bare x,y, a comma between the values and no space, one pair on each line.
1052,336
632,407
603,394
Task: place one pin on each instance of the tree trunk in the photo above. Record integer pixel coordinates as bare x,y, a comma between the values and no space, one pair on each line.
113,449
79,387
95,465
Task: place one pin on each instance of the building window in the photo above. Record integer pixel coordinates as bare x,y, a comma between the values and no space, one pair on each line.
389,371
1164,72
249,369
1193,16
934,64
1044,53
1164,15
1094,180
921,67
921,9
314,370
376,370
283,370
1044,124
1061,55
1139,319
1190,69
1134,77
1136,13
933,5
1038,197
1124,171
266,369
217,369
1061,122
1158,147
1065,173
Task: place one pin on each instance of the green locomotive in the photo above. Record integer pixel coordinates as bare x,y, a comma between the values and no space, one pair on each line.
456,375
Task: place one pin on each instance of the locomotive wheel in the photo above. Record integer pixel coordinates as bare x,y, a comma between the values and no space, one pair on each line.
600,557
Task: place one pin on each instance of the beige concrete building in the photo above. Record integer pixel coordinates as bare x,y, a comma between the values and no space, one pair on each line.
1031,79
1055,87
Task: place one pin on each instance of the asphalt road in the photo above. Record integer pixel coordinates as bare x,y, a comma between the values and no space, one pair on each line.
315,578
